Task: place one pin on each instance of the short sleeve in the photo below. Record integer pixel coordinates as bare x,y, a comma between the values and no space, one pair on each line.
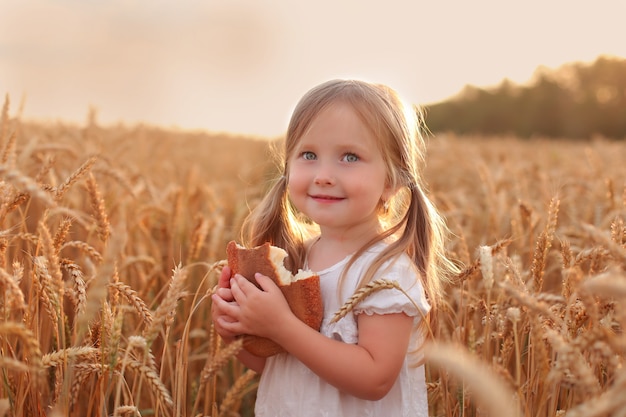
392,300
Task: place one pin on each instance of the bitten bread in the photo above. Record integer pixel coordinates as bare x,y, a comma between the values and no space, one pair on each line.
301,291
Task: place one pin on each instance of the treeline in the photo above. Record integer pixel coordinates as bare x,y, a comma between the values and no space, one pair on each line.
574,101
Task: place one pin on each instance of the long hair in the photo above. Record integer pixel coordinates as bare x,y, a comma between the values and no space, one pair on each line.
412,223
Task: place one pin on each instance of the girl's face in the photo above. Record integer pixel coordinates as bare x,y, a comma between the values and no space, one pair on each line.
337,176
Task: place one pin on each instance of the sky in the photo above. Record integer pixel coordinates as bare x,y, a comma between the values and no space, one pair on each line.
240,66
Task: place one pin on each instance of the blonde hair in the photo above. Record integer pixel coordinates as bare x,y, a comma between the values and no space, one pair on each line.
412,220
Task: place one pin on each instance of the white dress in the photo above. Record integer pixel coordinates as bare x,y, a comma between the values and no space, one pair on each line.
289,389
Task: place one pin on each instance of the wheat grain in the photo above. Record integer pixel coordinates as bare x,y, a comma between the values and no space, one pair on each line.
46,290
198,237
8,154
61,233
98,208
618,231
53,264
80,288
543,245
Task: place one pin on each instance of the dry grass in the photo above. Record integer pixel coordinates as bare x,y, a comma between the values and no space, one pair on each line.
111,241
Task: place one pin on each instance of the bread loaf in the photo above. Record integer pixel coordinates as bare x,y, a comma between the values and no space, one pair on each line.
301,291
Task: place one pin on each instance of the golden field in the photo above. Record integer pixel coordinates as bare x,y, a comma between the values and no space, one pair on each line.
111,239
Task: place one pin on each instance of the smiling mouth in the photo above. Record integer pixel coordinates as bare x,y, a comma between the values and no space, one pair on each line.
326,198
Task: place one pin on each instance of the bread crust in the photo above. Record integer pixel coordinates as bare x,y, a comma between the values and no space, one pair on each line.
303,296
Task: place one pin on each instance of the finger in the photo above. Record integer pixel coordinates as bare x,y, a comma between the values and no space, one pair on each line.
224,307
225,294
265,282
224,281
240,287
229,327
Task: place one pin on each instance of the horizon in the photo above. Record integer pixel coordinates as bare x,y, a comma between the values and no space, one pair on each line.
240,67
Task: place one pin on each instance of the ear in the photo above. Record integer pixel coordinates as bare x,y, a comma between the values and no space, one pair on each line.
388,192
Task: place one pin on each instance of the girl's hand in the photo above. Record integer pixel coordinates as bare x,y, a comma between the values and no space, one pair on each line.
257,311
223,296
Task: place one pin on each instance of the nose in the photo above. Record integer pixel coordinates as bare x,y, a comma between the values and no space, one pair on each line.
324,176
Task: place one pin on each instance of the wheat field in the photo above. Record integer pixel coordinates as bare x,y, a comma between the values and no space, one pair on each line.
112,238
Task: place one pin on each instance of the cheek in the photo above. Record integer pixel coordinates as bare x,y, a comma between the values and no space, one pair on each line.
297,182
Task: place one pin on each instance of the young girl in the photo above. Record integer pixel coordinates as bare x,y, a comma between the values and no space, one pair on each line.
350,205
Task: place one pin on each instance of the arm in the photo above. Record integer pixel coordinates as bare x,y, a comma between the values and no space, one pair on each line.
223,296
366,370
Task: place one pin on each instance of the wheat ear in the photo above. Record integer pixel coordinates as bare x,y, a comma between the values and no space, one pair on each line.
165,311
234,394
60,357
489,390
222,358
24,182
543,245
154,381
133,297
74,176
99,210
13,293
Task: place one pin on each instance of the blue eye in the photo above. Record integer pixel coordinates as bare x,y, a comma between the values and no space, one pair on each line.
308,155
350,157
